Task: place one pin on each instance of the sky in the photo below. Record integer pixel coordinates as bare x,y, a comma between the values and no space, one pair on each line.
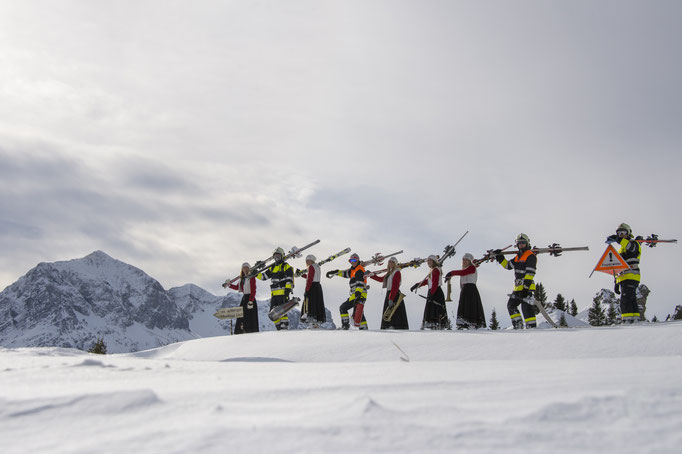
187,138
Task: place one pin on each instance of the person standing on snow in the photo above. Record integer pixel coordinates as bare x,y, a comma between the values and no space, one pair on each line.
628,280
313,300
281,275
249,322
358,293
391,282
524,265
435,311
470,308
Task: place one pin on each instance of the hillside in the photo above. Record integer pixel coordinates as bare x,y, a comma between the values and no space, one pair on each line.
560,391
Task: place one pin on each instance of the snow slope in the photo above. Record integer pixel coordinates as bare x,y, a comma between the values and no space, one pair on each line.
613,389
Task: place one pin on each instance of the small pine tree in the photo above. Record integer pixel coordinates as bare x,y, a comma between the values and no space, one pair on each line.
678,313
612,315
573,308
562,321
560,302
99,347
494,324
596,315
654,320
541,294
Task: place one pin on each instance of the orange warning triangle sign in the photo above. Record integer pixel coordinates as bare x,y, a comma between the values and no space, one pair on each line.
611,262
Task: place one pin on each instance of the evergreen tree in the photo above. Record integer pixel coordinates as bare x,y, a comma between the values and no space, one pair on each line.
654,320
560,303
540,294
612,315
99,347
596,316
494,324
678,313
573,308
562,321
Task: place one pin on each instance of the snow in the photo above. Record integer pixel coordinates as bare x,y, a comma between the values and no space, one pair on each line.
610,389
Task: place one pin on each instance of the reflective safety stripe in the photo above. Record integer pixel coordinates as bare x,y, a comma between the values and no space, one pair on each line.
344,315
631,314
529,319
353,296
515,315
530,270
505,264
529,277
363,323
278,292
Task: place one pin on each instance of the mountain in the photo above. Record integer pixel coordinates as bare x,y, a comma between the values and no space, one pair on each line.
72,303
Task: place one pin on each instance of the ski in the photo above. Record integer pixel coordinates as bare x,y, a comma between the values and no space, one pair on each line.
653,240
278,312
257,267
298,273
554,250
378,258
450,251
293,253
416,263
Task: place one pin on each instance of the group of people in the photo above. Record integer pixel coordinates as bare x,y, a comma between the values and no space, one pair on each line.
470,314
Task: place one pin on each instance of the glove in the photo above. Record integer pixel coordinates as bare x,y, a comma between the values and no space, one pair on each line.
391,303
224,284
414,288
258,264
611,239
287,292
498,255
616,289
249,305
525,293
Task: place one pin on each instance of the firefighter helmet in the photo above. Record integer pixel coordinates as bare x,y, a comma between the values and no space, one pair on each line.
522,238
624,227
354,258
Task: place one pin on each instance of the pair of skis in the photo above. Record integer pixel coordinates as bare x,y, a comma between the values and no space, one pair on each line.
299,273
261,265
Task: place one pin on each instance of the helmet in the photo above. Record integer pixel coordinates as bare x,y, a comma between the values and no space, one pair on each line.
279,251
522,237
624,227
311,257
354,258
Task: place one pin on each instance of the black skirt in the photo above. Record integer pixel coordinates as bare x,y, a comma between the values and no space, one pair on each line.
316,309
435,312
399,319
248,323
470,309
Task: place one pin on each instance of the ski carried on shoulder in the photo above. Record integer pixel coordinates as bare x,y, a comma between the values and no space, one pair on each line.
653,240
299,273
554,250
450,250
293,253
278,312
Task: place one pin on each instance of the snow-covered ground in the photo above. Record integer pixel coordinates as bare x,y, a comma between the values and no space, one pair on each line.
614,389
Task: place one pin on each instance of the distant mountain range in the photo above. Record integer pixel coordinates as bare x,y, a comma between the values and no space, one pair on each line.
72,303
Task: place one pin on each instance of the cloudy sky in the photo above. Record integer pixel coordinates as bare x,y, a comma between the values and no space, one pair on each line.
188,137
